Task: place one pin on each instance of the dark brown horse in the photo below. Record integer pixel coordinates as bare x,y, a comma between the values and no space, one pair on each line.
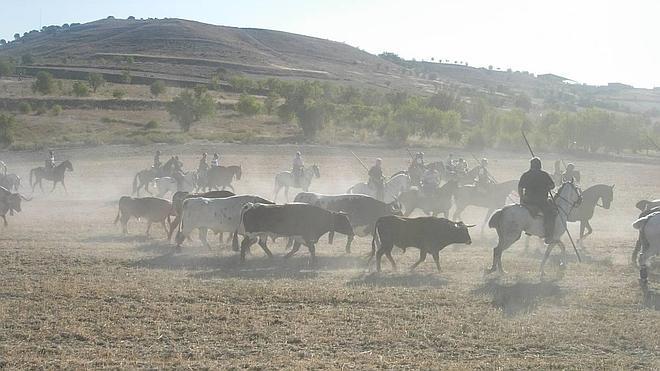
56,175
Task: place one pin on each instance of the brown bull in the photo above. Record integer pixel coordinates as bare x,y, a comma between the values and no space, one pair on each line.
154,210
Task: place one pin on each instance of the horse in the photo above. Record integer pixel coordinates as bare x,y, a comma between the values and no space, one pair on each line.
10,181
144,177
10,202
392,188
169,184
495,198
649,227
220,177
434,204
512,220
285,179
584,212
56,175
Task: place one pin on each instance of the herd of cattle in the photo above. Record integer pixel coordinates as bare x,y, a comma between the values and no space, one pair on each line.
303,222
313,215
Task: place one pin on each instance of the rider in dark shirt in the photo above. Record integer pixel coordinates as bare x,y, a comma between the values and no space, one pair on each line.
157,163
376,178
533,188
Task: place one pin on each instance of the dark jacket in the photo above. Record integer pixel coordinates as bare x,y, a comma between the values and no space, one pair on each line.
536,185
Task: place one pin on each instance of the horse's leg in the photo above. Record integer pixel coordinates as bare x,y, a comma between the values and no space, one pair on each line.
458,211
422,257
545,257
54,184
5,220
41,185
286,193
64,185
164,227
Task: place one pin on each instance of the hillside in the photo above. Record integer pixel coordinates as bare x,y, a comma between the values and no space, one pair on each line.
187,53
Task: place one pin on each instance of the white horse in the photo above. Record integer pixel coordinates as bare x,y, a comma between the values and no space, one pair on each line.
392,188
285,179
512,220
650,227
169,184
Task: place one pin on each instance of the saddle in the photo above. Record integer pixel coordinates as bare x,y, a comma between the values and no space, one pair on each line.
534,210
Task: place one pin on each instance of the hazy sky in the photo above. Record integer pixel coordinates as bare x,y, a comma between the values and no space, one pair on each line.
589,41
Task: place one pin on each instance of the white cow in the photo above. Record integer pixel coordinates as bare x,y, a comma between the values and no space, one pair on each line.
217,214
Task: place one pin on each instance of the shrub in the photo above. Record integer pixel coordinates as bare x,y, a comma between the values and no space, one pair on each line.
396,133
248,105
118,94
152,124
157,88
80,89
41,110
56,110
126,77
44,84
25,108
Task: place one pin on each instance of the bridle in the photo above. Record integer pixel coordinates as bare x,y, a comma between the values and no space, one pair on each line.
573,204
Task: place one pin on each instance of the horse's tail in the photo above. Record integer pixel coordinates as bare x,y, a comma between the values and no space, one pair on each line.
494,221
135,183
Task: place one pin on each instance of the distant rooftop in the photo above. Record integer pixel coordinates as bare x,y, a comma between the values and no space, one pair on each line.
555,78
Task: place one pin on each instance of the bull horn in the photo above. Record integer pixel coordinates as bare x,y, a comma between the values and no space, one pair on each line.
25,198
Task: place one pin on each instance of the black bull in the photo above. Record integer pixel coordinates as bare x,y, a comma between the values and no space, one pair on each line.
429,234
305,222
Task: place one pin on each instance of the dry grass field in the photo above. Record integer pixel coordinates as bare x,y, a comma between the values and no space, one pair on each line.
75,293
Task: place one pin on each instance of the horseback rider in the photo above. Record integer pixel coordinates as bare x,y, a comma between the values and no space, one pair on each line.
297,168
177,172
483,180
462,166
451,165
50,162
216,160
570,174
157,163
533,187
203,166
430,181
376,179
419,160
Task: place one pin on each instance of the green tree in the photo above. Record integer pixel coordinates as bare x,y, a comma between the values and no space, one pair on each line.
157,88
3,42
7,123
188,108
96,80
27,59
6,67
248,105
270,103
44,84
79,89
